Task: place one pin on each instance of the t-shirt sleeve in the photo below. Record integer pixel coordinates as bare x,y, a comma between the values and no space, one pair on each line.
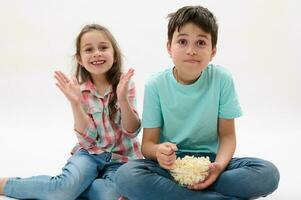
229,107
151,116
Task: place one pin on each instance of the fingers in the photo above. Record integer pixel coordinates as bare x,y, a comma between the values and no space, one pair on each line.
166,155
126,77
202,185
214,173
61,77
74,80
168,148
172,146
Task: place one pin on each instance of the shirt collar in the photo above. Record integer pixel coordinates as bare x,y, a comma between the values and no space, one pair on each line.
88,86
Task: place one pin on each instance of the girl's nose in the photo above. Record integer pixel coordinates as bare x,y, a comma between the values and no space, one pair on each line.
97,53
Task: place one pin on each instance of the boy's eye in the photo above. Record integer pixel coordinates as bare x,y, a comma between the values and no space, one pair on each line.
182,42
201,43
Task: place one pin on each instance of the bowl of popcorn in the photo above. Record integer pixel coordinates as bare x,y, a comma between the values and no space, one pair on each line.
190,170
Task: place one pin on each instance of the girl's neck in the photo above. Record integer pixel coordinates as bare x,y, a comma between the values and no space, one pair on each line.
101,83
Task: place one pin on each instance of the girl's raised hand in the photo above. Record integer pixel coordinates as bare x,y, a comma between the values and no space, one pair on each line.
122,88
70,88
166,154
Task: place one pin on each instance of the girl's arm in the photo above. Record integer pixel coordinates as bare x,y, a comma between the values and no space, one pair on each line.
129,118
81,119
227,145
164,153
83,124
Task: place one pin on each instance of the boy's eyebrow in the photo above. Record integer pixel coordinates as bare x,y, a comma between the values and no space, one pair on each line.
200,35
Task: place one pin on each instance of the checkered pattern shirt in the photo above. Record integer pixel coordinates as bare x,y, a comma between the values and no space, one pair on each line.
104,134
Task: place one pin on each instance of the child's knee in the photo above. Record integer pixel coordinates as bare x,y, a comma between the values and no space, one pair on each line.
267,177
103,189
126,175
271,174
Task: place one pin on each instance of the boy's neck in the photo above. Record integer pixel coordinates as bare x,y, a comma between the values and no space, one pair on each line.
184,80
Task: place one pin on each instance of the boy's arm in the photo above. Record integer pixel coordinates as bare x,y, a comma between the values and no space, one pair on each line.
163,153
227,142
150,141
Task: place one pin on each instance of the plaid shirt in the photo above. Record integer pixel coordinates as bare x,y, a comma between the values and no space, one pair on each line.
102,133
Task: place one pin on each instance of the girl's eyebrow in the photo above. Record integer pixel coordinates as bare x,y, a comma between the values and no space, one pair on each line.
89,44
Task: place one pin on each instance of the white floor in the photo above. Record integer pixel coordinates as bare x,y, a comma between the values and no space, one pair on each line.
5,198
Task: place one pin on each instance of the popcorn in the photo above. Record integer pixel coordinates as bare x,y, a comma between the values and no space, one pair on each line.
190,170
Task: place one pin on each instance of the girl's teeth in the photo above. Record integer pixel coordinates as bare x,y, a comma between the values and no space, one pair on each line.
97,62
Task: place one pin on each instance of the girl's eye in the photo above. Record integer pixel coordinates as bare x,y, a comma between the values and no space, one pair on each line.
182,42
88,50
103,48
201,43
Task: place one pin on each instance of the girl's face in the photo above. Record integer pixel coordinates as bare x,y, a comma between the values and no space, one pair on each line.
191,51
96,53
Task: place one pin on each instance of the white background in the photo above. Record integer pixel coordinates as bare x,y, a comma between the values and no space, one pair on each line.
259,42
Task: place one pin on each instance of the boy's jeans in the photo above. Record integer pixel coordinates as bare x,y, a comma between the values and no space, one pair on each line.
85,175
244,178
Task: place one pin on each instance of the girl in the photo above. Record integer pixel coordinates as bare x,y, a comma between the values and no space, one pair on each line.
106,124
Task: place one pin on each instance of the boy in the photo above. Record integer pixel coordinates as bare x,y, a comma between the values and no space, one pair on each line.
189,110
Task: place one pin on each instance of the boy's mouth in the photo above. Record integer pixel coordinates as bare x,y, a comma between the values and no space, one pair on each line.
192,61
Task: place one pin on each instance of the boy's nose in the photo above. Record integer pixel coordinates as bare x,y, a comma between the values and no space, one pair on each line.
191,50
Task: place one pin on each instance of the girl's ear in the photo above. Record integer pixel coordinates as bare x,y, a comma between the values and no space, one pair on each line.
78,59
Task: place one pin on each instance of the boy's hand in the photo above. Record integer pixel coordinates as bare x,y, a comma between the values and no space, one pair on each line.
166,154
70,88
122,88
215,170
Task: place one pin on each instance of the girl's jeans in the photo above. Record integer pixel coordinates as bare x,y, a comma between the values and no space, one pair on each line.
85,175
244,178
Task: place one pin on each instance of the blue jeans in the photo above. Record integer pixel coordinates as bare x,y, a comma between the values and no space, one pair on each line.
244,178
85,176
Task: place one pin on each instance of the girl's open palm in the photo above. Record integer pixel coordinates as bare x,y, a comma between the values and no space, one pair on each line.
70,88
122,88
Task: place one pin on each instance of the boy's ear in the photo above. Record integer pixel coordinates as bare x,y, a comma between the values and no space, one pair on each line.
168,46
213,53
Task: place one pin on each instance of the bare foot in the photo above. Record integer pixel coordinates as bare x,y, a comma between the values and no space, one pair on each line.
2,184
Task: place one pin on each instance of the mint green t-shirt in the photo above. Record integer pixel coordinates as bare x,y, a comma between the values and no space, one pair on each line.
188,114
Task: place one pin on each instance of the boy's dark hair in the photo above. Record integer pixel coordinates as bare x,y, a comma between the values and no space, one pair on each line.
197,15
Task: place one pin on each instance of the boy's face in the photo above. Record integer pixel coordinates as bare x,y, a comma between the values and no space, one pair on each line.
191,51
